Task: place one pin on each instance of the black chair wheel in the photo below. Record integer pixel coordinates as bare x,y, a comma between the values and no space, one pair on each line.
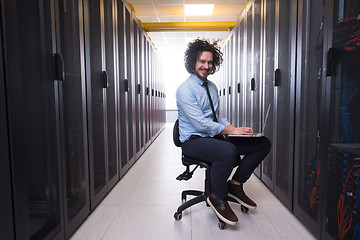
178,216
244,209
222,225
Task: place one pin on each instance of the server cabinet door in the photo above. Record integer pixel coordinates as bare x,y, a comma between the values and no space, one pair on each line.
248,63
278,102
96,84
6,204
342,151
34,130
129,43
232,82
308,102
122,88
147,90
126,83
228,79
137,86
112,140
284,99
255,84
268,85
236,83
242,52
72,103
152,92
220,86
142,45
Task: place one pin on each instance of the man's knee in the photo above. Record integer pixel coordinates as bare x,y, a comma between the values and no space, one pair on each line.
266,144
230,153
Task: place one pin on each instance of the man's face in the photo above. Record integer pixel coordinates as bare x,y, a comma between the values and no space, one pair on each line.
203,65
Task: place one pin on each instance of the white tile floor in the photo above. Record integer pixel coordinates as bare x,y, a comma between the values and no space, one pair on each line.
142,205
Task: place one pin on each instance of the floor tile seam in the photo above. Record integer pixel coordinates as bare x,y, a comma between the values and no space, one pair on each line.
112,204
274,227
143,168
126,196
291,215
111,223
191,223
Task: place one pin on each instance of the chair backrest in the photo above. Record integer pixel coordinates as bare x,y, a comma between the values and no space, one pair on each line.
176,134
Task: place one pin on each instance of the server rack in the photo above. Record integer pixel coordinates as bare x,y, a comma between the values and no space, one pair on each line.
242,67
309,105
137,70
112,104
52,102
100,78
284,99
143,88
249,65
255,82
148,92
228,80
72,114
126,87
62,88
7,229
313,94
340,150
236,83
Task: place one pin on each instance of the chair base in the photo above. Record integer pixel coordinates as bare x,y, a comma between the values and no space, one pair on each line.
200,197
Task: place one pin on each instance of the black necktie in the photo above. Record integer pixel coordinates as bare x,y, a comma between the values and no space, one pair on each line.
211,103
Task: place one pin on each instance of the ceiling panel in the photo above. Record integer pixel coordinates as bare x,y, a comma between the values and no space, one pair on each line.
179,18
233,10
144,11
170,10
155,11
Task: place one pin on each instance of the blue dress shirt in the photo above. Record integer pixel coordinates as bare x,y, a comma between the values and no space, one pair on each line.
195,114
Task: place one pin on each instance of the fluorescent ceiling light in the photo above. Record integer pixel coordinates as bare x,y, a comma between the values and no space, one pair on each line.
198,9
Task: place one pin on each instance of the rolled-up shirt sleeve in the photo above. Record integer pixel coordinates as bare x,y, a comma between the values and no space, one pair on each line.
223,121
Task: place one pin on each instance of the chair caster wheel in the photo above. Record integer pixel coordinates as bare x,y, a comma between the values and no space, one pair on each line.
244,209
222,225
178,216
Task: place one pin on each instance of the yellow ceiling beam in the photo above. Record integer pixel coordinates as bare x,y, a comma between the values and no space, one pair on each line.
187,26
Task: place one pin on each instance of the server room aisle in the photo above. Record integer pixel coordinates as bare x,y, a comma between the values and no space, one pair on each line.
142,205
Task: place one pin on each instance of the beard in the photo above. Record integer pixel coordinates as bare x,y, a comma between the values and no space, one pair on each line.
202,74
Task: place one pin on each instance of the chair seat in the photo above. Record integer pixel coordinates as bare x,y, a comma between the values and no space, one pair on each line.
187,161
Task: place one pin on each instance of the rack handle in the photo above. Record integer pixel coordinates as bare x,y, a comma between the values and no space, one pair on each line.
59,67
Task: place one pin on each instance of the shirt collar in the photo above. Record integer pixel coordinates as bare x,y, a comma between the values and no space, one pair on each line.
198,80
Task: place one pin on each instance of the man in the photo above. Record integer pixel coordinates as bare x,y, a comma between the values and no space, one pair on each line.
200,132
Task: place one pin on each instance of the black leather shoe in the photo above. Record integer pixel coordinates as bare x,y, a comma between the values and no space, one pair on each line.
222,209
237,193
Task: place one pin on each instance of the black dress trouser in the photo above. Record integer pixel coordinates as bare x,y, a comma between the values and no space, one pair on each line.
224,156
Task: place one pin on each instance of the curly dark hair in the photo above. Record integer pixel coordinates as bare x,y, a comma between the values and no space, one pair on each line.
196,47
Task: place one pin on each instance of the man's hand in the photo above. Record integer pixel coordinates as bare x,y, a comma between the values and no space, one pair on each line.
231,130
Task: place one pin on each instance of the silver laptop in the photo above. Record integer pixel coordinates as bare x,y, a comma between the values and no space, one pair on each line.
260,134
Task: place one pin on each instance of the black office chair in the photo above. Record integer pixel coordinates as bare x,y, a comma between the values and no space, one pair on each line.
200,196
